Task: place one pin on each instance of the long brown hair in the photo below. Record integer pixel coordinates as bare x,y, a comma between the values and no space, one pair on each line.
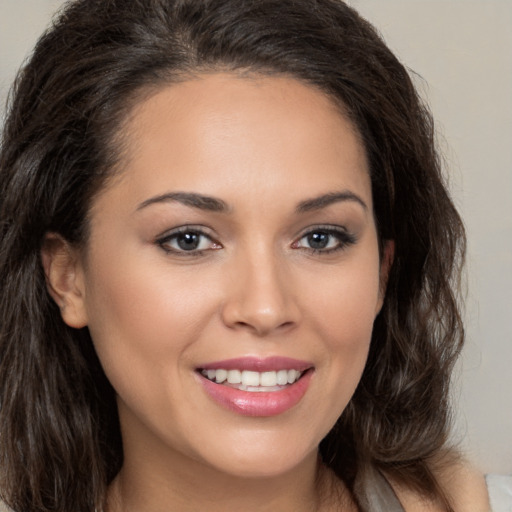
60,442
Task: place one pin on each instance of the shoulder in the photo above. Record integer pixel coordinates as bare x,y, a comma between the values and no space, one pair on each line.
463,485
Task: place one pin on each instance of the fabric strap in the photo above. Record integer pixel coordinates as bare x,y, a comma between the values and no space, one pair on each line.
375,494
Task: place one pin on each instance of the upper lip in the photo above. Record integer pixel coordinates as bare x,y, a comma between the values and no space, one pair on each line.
258,364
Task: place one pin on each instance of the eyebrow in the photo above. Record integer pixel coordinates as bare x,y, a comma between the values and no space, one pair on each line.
194,200
317,203
213,204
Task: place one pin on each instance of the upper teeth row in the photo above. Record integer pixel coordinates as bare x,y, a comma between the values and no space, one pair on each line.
248,378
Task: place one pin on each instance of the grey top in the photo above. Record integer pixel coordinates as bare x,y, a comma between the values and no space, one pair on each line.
375,494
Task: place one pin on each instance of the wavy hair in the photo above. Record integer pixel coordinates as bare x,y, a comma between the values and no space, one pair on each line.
60,442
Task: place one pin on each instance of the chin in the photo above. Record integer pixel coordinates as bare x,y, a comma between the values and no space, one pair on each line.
261,460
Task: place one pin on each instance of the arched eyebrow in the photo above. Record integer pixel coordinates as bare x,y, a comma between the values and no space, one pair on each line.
211,204
214,204
317,203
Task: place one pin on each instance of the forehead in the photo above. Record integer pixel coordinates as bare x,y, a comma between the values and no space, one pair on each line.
223,134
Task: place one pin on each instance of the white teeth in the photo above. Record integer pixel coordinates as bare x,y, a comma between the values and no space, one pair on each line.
253,381
282,377
220,376
250,378
268,379
234,376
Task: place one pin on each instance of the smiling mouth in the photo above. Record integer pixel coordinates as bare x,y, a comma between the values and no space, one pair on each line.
256,387
252,381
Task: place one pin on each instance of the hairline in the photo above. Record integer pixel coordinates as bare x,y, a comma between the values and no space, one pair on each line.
128,104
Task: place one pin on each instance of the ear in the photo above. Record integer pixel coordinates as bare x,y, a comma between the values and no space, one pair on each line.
388,255
64,279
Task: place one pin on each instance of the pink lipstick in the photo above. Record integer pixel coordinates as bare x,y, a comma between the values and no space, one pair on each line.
254,386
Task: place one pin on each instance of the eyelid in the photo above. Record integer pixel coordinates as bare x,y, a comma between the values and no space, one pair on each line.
184,228
170,234
344,236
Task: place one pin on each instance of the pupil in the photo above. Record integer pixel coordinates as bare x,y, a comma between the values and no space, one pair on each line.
188,241
318,240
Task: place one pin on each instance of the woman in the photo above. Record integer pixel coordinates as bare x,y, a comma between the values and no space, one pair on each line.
227,264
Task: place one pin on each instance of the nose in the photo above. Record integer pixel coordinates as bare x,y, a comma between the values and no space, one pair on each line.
260,298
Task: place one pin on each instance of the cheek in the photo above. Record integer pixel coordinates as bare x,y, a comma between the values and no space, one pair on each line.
144,329
141,297
344,304
343,317
145,323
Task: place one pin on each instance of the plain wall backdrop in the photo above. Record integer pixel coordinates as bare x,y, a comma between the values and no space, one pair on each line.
462,49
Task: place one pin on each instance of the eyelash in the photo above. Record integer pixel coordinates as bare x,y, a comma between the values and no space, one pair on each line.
344,240
343,237
168,238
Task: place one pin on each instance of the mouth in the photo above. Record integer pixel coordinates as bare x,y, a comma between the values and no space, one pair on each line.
253,381
256,387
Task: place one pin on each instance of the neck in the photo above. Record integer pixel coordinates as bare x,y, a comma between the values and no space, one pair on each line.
185,486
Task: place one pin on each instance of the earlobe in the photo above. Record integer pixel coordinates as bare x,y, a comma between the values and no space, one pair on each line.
64,279
388,255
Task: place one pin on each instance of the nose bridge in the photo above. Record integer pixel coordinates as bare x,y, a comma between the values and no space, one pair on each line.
260,298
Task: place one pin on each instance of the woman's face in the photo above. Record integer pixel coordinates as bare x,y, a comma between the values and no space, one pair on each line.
238,242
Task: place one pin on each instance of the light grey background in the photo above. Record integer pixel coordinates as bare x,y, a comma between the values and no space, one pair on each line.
463,51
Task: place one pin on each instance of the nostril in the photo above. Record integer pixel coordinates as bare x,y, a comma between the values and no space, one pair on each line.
286,325
263,327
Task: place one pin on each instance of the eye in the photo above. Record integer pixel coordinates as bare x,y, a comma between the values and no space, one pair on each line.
325,240
187,240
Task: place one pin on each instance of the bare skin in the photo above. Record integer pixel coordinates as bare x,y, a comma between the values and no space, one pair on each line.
463,484
256,171
325,493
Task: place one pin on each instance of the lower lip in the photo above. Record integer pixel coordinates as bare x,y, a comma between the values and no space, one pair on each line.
258,403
